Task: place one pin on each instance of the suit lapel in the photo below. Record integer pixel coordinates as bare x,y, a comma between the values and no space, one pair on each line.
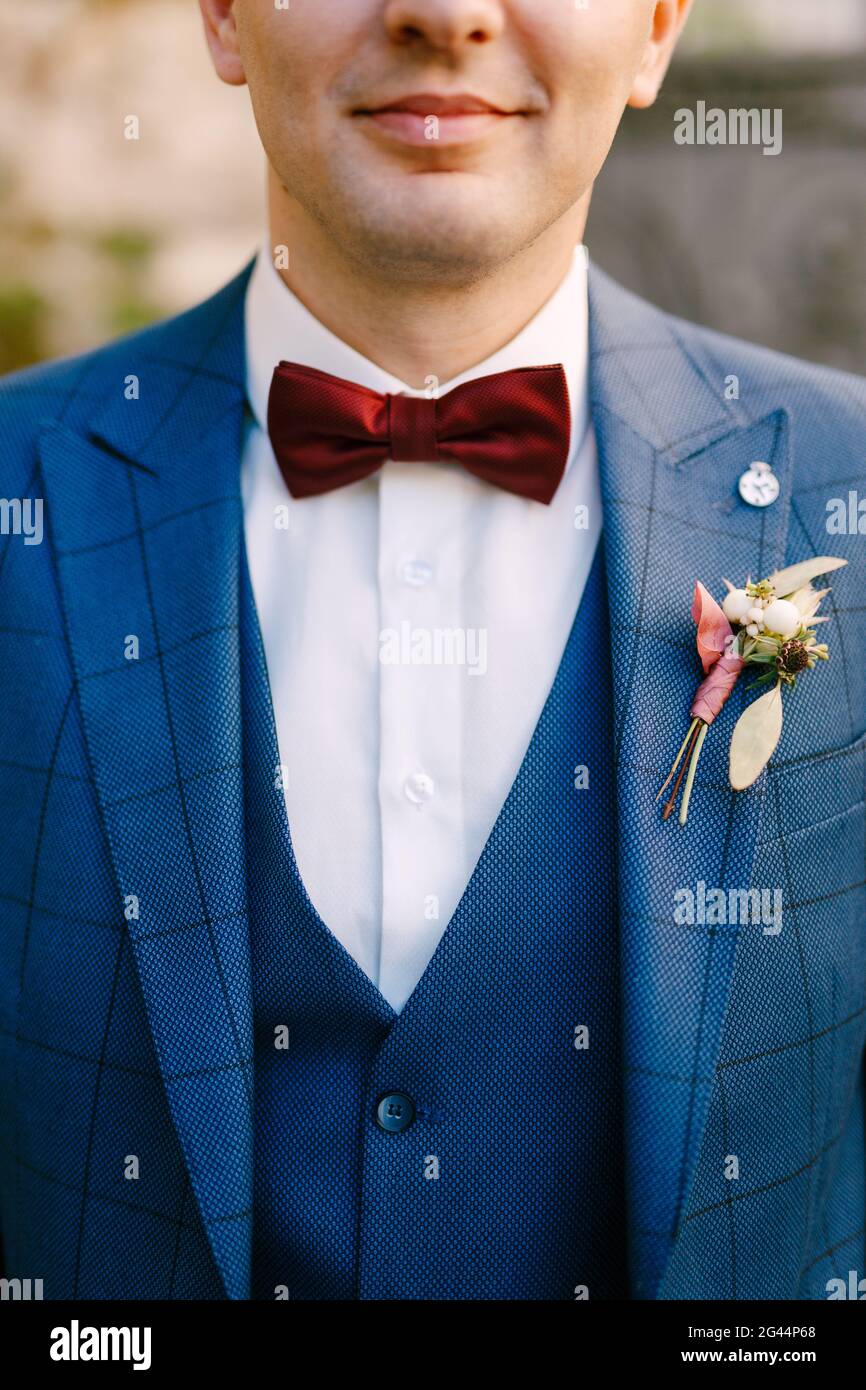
671,450
145,519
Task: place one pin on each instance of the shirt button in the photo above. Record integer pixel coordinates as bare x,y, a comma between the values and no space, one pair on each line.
395,1112
416,573
419,788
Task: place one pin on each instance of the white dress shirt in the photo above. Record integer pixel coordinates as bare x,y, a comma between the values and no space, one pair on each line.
413,624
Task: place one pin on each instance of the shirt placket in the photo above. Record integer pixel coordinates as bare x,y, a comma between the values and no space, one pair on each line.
421,718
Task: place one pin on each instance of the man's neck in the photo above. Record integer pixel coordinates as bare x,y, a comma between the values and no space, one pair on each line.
415,331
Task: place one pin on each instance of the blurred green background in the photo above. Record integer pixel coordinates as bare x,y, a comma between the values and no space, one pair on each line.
100,234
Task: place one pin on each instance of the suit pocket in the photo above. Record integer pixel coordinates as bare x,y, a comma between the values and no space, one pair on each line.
804,792
812,845
812,853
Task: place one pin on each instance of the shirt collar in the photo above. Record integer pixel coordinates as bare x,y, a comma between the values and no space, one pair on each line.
279,328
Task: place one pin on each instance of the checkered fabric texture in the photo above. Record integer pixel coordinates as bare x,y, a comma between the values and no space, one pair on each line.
126,1024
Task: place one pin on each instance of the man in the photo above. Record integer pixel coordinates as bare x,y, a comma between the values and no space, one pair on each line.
340,951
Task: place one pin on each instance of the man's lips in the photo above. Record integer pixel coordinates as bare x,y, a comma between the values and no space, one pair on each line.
431,119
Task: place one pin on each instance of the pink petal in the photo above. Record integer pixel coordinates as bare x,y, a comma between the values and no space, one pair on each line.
714,631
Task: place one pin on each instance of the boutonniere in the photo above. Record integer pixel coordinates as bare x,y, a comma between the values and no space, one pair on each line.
771,626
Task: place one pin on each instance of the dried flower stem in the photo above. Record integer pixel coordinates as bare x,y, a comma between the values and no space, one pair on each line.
687,738
693,765
689,746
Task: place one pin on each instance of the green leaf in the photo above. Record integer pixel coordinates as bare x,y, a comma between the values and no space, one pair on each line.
755,737
788,581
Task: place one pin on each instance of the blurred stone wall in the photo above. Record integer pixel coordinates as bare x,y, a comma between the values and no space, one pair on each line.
99,234
769,248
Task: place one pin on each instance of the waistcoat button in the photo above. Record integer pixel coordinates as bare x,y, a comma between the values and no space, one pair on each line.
395,1112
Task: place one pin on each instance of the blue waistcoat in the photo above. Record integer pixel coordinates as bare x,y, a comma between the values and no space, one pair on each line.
507,1182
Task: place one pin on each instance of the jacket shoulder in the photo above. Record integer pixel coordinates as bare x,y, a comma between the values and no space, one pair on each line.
71,390
666,358
767,371
826,407
622,317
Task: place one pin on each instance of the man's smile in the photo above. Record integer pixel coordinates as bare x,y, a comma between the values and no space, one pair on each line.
437,119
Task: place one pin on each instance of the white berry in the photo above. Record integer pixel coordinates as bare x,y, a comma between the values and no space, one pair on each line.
782,617
736,605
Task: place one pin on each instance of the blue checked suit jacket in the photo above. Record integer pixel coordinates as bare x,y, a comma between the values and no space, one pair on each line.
125,1018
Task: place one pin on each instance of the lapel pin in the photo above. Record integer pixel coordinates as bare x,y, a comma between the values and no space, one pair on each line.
759,485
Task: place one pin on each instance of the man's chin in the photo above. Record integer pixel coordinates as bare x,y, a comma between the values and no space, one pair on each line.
453,223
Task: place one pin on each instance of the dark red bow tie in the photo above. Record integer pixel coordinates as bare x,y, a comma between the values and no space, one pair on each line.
511,429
